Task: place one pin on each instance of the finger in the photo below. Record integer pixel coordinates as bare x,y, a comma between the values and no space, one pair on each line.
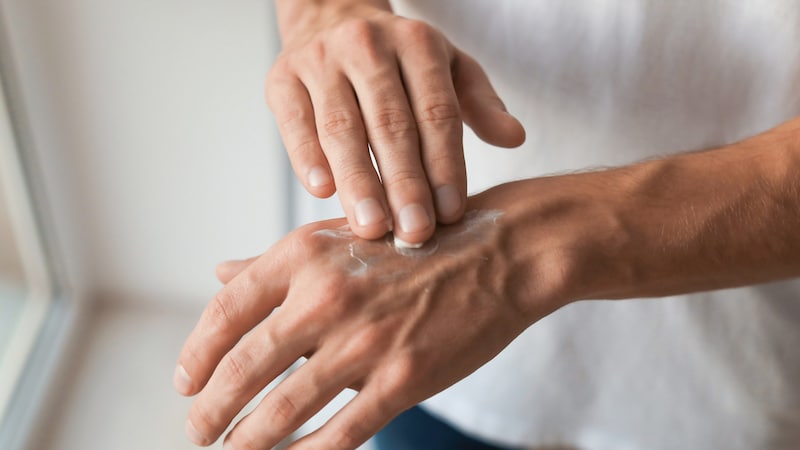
395,143
359,420
482,108
228,270
344,141
247,369
233,311
426,71
295,400
289,101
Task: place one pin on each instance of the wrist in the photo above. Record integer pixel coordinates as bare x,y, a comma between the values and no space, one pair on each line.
294,16
693,222
562,237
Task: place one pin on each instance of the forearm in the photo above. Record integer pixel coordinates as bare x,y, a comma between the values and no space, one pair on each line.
294,14
699,221
722,218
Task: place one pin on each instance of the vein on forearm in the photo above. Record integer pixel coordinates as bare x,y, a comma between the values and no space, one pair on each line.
716,219
692,222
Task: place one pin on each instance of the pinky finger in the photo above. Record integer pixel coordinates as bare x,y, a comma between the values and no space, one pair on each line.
289,101
358,421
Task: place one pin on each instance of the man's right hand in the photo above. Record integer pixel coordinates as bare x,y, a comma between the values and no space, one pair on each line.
354,77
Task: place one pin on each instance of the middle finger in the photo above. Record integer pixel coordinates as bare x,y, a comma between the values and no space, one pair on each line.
344,142
395,143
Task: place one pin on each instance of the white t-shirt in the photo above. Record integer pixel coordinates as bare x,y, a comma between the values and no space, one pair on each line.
605,83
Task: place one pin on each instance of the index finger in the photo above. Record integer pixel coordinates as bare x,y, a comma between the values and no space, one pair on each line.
236,309
426,71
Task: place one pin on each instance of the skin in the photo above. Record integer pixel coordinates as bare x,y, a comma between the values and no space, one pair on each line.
352,77
720,218
699,221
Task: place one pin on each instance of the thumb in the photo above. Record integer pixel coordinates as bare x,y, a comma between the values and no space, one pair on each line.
228,270
481,107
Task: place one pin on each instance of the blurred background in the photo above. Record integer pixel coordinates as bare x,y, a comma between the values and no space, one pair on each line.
136,152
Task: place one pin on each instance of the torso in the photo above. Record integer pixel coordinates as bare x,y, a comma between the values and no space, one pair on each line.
606,83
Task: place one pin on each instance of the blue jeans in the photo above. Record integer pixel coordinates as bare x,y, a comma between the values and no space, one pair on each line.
415,429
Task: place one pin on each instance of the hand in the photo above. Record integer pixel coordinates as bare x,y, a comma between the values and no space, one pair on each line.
402,326
353,77
399,325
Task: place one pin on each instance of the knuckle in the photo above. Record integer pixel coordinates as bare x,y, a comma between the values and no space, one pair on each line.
359,31
364,343
245,441
274,83
364,46
340,122
440,114
419,31
307,239
280,69
254,276
346,437
394,124
315,53
302,243
402,178
292,118
235,369
305,149
400,376
274,336
352,174
282,413
203,419
220,312
329,301
451,159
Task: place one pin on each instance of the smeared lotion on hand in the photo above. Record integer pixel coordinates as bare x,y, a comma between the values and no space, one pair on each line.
361,255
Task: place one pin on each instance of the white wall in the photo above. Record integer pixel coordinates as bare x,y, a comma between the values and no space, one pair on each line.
158,152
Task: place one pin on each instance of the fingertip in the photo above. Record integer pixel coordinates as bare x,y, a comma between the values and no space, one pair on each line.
319,182
499,128
513,133
369,219
228,270
223,271
372,232
415,225
450,204
182,382
325,192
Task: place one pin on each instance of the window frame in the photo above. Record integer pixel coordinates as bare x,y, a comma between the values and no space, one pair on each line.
37,282
47,331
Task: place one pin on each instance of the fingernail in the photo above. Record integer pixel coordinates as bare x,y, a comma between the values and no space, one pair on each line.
448,200
182,381
318,176
369,212
413,218
193,435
